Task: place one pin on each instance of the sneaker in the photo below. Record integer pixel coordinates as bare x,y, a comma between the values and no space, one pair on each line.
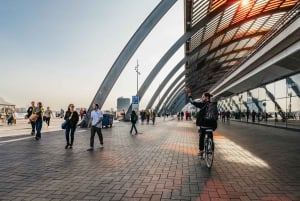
66,147
200,153
71,147
101,146
90,149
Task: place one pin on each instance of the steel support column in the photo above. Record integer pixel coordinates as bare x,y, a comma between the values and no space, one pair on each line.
165,81
174,91
169,89
172,97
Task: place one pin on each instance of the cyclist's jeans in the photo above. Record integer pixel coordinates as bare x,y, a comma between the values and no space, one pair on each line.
201,138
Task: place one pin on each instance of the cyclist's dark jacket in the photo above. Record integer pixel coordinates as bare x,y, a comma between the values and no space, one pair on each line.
203,122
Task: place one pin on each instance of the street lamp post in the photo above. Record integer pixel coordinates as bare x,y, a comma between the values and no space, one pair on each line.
136,68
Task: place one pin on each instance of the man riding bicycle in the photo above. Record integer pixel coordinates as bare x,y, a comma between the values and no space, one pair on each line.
202,121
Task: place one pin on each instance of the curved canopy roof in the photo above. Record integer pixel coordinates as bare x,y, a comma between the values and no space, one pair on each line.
235,30
5,103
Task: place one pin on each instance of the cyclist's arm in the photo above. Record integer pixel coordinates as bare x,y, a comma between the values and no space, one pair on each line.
198,104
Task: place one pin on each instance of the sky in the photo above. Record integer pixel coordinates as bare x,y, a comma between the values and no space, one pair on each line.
59,51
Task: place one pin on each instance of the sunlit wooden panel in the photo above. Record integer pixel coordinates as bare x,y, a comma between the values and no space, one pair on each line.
203,51
211,27
211,56
243,11
227,17
258,7
200,11
257,25
220,52
241,44
216,4
289,3
229,35
222,59
196,39
273,5
253,41
217,42
272,21
243,29
231,47
242,53
231,56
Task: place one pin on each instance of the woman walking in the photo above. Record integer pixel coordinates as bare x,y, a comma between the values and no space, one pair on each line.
72,119
133,119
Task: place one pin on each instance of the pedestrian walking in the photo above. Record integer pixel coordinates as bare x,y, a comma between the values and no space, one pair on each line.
48,114
247,115
72,119
81,113
96,125
38,111
133,119
147,116
29,113
253,116
153,117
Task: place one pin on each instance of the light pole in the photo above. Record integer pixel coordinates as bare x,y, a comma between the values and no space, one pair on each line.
136,68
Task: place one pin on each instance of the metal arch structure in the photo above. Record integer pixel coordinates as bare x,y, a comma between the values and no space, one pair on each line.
164,82
172,96
175,99
181,103
167,92
164,108
243,25
160,10
183,39
169,89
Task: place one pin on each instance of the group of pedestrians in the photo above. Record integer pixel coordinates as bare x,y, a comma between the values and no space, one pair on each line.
36,114
147,115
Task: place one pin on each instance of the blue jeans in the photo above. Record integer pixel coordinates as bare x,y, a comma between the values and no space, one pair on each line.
70,132
39,125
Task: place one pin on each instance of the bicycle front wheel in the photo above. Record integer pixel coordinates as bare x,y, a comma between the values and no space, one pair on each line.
209,153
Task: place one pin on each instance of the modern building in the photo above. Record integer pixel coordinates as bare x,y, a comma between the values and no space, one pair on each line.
122,104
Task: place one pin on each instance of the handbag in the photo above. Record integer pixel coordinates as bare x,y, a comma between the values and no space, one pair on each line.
33,117
64,124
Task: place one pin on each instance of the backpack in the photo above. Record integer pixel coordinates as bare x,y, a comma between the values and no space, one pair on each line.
211,111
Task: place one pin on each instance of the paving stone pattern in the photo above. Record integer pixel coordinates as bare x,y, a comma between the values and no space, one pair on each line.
251,163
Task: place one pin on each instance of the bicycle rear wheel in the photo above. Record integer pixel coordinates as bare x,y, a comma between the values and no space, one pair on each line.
209,153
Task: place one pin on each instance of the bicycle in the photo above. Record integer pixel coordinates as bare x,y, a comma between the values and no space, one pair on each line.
208,148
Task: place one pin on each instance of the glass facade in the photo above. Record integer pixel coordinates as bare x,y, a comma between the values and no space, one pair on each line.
276,104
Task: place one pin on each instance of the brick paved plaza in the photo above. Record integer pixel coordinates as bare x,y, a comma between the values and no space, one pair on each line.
251,163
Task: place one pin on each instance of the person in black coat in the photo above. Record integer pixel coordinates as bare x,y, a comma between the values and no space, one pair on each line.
72,118
201,121
133,119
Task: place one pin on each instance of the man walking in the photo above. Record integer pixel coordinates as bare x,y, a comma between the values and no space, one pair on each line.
48,113
96,125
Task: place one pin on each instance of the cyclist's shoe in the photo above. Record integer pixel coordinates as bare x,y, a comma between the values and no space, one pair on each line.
200,154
